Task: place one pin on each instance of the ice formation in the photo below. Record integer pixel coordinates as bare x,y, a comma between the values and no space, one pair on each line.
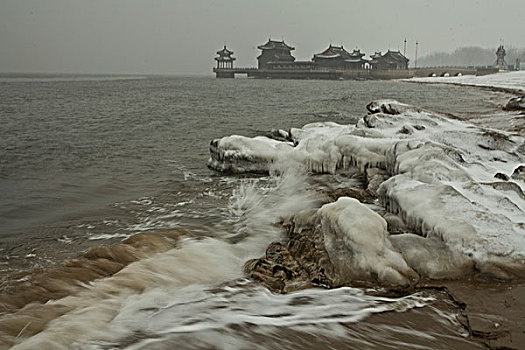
442,183
357,244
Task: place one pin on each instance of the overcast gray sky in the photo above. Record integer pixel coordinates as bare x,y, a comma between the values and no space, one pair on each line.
182,36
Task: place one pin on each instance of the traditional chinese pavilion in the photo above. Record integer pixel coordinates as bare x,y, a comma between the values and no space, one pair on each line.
391,60
356,60
225,59
274,53
332,58
336,57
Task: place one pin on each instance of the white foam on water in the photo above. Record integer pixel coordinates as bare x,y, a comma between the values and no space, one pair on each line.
110,308
103,236
196,313
143,201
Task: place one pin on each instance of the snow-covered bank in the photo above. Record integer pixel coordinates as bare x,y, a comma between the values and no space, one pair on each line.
443,184
514,81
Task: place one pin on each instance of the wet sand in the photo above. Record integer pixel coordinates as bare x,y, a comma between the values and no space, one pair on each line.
493,311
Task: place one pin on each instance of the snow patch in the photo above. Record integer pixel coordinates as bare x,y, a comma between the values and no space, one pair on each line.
504,80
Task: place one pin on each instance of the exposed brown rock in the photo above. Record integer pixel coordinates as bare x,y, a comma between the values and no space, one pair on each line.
360,194
277,269
301,263
501,176
374,178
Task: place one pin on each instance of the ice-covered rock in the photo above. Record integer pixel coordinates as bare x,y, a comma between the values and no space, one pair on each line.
390,107
395,224
515,104
431,257
519,173
441,183
239,154
374,178
355,241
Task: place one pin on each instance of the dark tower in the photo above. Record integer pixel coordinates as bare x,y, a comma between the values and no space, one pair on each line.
500,58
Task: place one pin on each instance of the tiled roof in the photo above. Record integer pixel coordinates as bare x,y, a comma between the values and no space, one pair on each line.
224,52
333,52
275,45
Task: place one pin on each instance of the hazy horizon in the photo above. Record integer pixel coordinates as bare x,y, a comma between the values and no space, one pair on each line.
181,37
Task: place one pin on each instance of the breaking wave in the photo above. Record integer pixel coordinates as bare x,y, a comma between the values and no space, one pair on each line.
111,285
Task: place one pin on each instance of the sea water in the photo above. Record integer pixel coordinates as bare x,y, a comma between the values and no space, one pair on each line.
88,160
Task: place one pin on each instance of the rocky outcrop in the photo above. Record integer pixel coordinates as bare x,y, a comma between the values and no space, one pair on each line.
277,270
515,104
339,244
435,177
374,178
519,173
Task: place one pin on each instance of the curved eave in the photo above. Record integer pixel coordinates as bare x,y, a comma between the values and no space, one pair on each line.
225,59
327,56
274,47
355,61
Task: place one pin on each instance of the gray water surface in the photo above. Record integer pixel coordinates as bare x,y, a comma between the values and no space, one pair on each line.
89,159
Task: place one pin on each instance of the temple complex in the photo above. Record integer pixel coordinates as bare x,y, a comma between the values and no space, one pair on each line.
276,61
336,57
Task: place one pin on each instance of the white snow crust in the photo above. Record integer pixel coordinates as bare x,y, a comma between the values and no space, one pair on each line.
504,80
442,183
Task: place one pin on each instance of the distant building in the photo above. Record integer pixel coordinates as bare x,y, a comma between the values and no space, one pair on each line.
274,53
391,60
277,62
332,58
336,57
375,56
500,58
225,59
356,60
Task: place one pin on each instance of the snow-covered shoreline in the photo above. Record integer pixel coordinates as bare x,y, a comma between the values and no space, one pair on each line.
510,81
457,186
